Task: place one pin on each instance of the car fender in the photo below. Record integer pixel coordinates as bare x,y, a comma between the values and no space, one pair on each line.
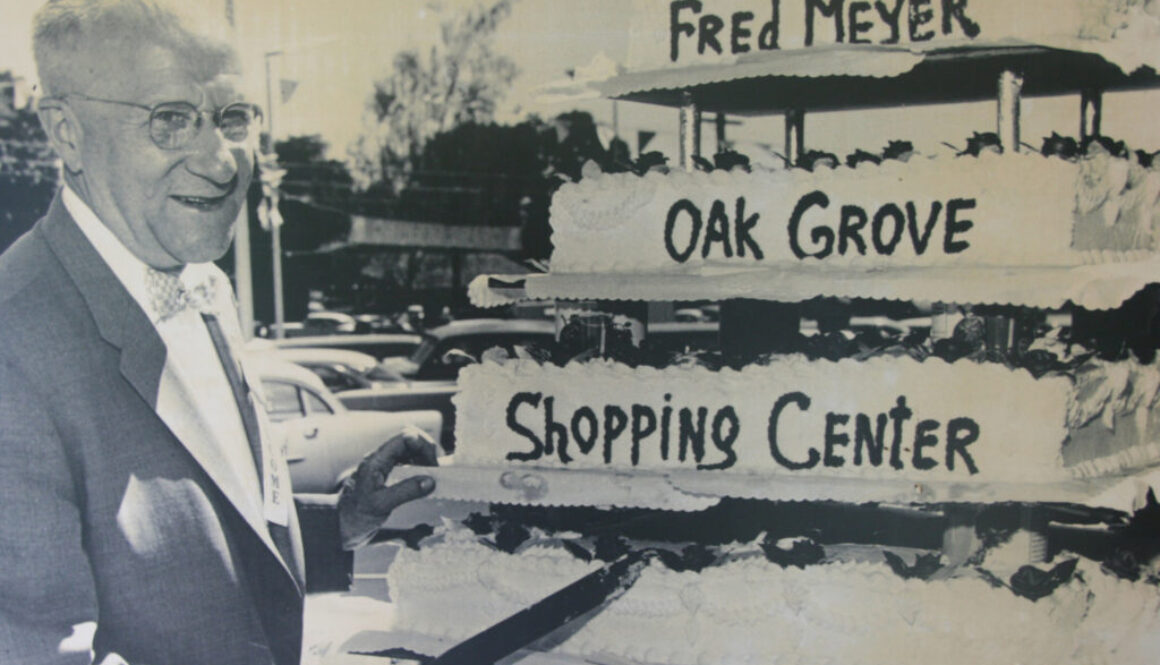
351,436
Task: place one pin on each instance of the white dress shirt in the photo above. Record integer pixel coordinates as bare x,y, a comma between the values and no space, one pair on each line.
190,352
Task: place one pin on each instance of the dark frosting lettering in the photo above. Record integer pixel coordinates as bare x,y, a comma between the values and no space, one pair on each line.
803,402
517,400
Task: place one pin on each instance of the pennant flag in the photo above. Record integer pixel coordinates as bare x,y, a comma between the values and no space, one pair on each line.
287,88
643,139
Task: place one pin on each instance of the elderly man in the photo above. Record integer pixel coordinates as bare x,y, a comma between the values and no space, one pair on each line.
146,516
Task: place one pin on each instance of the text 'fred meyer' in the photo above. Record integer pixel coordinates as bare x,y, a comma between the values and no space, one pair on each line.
695,30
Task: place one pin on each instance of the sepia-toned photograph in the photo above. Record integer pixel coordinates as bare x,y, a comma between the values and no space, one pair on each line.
609,332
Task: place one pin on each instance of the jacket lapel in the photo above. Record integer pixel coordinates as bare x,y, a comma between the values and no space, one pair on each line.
122,323
119,320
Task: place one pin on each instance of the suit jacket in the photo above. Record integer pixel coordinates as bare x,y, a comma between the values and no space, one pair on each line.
110,514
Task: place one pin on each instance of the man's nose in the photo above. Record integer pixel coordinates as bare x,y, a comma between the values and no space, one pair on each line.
214,158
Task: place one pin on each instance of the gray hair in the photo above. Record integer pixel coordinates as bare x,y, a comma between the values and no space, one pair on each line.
73,39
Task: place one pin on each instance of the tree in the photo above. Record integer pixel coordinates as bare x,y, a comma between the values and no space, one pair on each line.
28,170
310,177
475,175
493,175
459,80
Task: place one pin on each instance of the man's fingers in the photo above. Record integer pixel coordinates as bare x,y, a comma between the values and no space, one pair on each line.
393,496
366,501
387,455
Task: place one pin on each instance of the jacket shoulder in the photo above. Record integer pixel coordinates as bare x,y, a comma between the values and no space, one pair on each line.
36,295
23,263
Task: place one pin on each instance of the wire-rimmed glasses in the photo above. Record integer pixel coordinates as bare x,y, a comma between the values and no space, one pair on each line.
175,125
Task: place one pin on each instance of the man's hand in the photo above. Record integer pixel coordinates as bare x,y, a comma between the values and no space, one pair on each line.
366,501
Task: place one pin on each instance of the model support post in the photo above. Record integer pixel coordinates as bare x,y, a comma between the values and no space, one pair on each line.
795,135
960,539
1032,533
690,131
720,132
1091,104
1010,89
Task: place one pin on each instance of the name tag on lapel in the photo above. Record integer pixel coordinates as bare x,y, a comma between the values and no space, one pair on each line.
277,495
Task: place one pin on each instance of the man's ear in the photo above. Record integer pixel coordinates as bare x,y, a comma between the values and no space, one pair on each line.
64,131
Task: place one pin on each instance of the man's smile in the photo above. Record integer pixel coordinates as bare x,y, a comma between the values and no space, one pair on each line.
204,202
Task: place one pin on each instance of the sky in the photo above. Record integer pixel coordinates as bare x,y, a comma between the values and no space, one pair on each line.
334,50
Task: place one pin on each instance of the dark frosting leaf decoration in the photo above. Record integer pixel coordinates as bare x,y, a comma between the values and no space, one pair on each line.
1031,582
577,550
803,553
924,566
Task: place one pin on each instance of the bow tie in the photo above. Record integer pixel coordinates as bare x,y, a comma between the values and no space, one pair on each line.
169,296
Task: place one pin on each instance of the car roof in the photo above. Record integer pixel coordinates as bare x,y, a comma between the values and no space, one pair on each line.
269,366
330,316
484,326
676,327
356,359
334,341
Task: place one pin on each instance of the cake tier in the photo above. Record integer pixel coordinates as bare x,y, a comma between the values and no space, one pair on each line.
1017,229
1010,229
743,56
884,429
745,609
1017,210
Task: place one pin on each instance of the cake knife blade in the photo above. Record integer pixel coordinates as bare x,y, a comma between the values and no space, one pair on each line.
548,614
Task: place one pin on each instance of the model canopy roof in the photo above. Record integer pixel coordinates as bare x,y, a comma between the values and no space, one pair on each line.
851,77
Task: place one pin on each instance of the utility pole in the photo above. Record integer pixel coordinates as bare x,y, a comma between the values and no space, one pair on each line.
243,265
275,225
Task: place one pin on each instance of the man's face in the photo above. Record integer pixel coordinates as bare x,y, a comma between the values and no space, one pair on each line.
169,207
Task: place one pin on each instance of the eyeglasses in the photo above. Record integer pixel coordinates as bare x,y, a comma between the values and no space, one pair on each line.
175,125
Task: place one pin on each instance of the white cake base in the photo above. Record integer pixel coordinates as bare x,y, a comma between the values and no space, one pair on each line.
752,611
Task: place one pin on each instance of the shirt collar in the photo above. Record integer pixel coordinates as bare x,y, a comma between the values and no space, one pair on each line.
129,269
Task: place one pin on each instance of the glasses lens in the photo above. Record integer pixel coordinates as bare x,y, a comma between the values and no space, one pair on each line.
236,121
174,125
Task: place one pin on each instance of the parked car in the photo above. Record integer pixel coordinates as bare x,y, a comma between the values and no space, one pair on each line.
408,396
324,440
379,345
339,369
427,379
447,348
858,324
376,323
324,323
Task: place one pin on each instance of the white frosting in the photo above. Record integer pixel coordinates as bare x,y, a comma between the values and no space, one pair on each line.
486,585
752,611
618,223
1020,421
